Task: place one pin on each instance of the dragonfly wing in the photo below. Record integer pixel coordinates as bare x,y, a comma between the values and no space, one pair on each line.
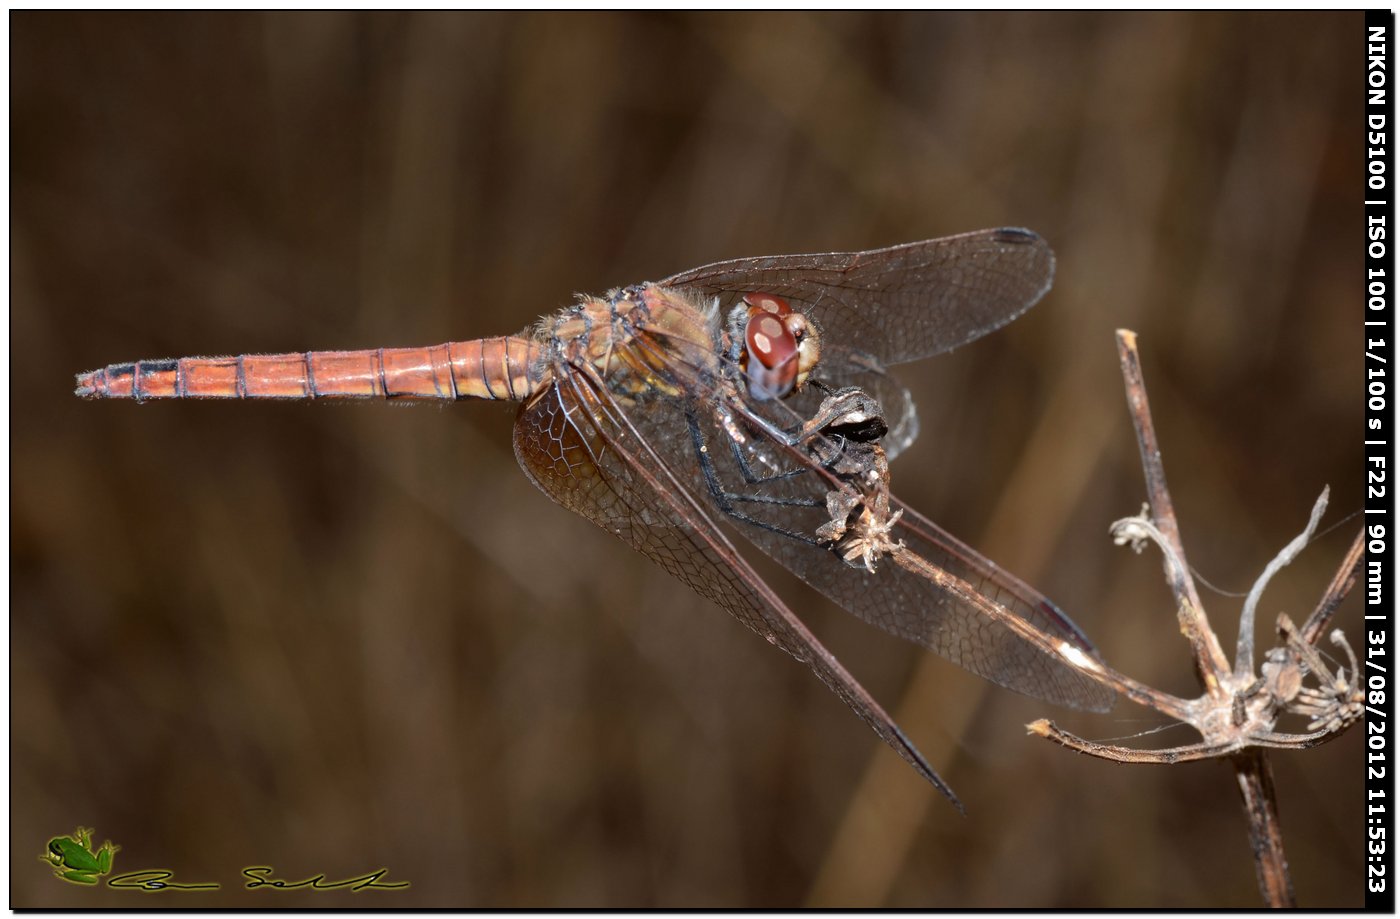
578,446
953,555
901,303
1005,653
776,497
962,625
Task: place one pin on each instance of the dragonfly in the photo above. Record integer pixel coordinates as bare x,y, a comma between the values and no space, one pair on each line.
753,396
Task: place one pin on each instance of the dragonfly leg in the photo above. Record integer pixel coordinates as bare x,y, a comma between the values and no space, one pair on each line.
846,417
726,500
751,477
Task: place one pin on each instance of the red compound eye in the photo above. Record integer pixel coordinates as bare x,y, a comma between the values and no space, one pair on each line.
771,340
767,303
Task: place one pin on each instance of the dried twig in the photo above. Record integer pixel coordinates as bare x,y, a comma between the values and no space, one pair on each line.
1238,712
1332,597
1256,782
1244,649
1210,659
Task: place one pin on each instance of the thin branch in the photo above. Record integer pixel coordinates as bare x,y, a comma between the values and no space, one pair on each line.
1275,741
1244,647
1129,755
1211,664
1237,714
1332,597
1256,783
1249,715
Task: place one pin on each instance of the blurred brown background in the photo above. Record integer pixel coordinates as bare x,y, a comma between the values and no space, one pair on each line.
330,638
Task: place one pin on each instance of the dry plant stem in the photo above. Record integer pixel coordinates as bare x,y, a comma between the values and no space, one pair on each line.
1341,585
1244,648
1256,782
1210,658
1170,756
1238,712
1251,768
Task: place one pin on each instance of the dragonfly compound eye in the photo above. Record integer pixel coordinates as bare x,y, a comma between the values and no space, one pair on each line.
780,347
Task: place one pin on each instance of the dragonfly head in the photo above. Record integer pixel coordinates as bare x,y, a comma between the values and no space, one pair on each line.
781,346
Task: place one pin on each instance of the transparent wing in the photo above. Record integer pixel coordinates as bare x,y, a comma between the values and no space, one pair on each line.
577,445
776,496
900,303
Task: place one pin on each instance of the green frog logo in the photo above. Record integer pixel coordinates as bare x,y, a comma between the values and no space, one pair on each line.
75,860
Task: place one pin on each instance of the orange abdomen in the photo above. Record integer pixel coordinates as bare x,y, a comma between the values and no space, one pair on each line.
487,368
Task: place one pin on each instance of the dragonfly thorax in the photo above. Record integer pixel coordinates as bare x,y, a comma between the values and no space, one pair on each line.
640,340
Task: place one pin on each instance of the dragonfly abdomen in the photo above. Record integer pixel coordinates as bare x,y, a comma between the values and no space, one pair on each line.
505,367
